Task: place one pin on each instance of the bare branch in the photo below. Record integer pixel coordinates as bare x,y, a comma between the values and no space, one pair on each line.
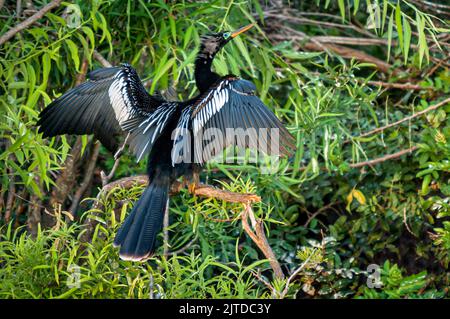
212,192
201,190
311,44
408,118
259,238
384,158
101,59
184,248
400,86
107,178
86,180
166,231
25,24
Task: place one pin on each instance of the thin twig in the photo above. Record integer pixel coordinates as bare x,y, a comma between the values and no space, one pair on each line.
18,9
86,180
319,211
294,274
267,284
166,231
25,24
408,118
405,221
106,178
10,198
184,248
400,86
384,158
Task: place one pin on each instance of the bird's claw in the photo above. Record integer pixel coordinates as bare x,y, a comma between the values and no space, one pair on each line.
192,187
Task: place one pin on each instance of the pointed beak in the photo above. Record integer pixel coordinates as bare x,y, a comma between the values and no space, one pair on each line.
242,30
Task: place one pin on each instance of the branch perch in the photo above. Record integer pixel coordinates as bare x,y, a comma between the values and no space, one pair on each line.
201,190
259,238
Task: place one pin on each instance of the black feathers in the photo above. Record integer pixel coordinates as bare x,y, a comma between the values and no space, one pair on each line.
98,106
144,130
137,235
84,109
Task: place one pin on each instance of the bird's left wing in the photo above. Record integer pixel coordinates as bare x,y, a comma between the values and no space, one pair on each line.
231,112
100,106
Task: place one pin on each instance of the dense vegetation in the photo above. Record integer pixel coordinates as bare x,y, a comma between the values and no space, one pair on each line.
361,189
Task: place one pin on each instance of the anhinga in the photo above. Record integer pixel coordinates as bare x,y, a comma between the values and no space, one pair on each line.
114,101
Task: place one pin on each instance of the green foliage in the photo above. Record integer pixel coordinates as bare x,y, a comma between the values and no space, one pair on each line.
319,212
57,264
396,285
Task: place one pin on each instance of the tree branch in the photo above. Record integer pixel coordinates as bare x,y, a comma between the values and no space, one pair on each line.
400,86
259,238
384,158
86,180
201,190
101,59
312,44
25,24
408,118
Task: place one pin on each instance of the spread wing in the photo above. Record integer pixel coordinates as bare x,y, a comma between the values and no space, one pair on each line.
230,114
145,129
100,106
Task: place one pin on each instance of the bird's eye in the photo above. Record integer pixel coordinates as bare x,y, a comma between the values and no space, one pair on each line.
226,35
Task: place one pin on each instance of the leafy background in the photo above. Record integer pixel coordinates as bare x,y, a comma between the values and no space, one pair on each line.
330,70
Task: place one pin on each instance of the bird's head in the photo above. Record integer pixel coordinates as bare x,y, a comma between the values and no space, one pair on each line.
212,43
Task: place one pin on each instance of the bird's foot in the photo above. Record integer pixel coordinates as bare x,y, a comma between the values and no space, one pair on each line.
192,187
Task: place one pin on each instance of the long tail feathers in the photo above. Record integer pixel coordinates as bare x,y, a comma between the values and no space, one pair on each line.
136,237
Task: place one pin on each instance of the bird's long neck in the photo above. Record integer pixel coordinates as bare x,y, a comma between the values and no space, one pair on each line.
204,76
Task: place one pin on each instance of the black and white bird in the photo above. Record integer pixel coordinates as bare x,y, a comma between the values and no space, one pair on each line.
113,101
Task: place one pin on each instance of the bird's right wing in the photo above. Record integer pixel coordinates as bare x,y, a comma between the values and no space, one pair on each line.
230,113
100,106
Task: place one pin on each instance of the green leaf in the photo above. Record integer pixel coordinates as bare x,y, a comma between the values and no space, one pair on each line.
74,53
398,23
390,28
341,5
406,38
